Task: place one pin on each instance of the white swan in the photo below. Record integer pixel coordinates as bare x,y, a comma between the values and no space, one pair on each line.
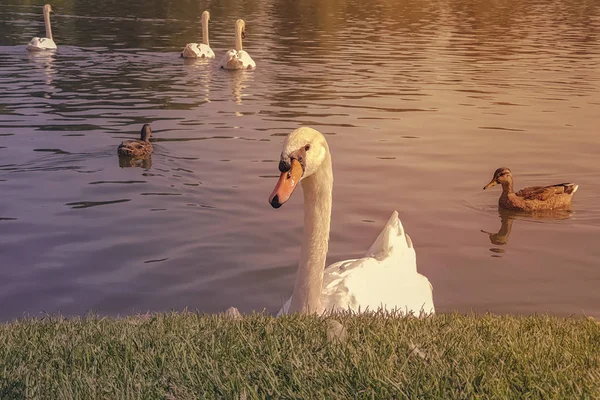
385,278
238,58
45,43
200,50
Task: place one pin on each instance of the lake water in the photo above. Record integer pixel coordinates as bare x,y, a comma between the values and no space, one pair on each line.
421,101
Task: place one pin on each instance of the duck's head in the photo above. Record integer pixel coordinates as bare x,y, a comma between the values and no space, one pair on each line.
205,16
240,26
501,175
48,9
304,150
146,132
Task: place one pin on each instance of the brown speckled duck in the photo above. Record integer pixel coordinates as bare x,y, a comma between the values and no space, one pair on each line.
533,198
137,148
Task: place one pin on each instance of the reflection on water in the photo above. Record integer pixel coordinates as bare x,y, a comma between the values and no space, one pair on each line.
507,217
501,237
141,162
44,62
419,100
202,71
238,82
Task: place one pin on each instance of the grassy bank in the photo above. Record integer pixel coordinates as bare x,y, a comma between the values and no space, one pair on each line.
188,355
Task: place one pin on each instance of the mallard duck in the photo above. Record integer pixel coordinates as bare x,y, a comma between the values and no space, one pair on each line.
137,148
533,198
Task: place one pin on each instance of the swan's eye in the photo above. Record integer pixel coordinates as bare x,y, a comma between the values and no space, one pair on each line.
307,147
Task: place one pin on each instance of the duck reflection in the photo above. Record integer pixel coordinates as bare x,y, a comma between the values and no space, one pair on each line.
139,162
501,237
507,218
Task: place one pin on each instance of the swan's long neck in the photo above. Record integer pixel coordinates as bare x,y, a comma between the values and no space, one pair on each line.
205,32
238,37
47,22
317,189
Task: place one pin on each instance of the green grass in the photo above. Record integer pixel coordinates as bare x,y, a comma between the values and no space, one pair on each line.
189,355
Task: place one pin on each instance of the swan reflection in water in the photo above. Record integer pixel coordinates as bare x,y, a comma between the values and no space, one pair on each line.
507,218
44,62
139,162
200,77
238,82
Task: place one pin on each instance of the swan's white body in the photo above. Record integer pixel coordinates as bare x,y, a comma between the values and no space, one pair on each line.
38,44
234,59
200,50
197,50
45,43
237,58
386,278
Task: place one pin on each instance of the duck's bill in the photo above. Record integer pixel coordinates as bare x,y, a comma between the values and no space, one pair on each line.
489,185
286,185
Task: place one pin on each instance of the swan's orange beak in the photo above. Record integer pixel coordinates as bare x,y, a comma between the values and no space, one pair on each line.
286,185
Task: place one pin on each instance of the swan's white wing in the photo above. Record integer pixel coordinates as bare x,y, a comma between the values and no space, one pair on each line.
386,278
394,243
285,308
190,51
38,43
246,60
368,284
197,50
237,60
229,60
206,51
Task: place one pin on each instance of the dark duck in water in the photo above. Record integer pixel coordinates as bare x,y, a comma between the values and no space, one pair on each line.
139,147
533,198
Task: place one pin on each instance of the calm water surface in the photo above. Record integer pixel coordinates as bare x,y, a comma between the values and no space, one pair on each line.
420,101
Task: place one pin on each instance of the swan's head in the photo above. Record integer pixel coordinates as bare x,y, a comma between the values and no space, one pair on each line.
240,26
205,16
47,9
501,175
304,150
146,132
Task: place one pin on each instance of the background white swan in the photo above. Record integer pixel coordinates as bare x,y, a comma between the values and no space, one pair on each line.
238,58
200,50
45,43
385,278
